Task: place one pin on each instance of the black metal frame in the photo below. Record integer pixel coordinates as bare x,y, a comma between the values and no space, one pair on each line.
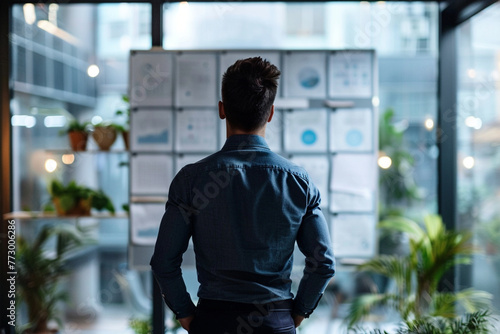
452,15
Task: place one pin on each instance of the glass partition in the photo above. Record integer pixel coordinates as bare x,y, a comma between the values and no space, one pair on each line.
70,63
478,127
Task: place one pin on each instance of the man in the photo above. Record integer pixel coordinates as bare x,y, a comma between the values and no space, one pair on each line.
244,207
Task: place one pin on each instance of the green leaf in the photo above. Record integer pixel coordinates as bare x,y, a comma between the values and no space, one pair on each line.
362,305
402,224
434,226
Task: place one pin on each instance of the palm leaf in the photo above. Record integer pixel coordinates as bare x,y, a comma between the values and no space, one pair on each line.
402,224
363,305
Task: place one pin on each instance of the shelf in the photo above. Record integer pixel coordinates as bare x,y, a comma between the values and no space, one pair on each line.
148,199
44,215
69,151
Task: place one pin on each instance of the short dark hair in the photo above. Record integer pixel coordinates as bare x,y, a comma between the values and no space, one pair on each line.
248,90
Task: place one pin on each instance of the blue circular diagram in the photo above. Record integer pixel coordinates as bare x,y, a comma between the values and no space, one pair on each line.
308,77
309,137
354,138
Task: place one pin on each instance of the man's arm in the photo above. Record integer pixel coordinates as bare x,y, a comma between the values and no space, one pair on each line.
172,242
314,242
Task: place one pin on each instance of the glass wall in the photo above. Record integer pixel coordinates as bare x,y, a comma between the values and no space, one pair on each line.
70,62
404,36
478,127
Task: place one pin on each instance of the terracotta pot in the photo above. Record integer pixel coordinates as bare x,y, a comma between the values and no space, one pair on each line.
104,136
82,208
78,140
125,139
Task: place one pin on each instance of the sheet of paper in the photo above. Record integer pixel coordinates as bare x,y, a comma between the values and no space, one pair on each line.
350,74
230,57
151,79
304,74
353,183
151,174
353,235
305,130
196,80
185,159
352,200
145,221
196,131
351,130
318,168
151,130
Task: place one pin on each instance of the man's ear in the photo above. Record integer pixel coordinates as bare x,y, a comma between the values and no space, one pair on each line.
271,114
222,113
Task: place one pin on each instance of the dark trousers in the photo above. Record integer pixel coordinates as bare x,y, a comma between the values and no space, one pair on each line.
221,317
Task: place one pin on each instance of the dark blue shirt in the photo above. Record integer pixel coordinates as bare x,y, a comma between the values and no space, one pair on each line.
244,207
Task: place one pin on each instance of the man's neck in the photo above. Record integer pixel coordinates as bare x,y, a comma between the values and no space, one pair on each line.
231,132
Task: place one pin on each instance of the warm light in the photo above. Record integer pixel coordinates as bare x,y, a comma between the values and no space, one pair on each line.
52,29
384,162
53,8
474,122
29,13
54,121
184,4
375,101
50,165
471,73
96,120
468,162
429,124
68,159
23,120
93,71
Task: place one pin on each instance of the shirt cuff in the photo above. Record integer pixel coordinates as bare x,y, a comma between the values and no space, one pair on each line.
179,314
298,310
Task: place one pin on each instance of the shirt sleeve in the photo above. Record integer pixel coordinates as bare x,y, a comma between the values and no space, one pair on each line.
172,242
314,242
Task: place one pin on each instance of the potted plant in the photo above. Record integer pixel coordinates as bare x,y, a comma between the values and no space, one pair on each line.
77,134
472,323
126,112
77,200
105,134
39,273
141,326
433,250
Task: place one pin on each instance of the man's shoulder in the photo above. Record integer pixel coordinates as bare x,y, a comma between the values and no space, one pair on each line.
245,160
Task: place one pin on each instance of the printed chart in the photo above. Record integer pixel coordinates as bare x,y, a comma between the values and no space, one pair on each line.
196,81
151,79
305,131
304,74
195,131
151,130
350,74
351,130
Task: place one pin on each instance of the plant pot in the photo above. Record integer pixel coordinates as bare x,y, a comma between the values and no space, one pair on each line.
82,208
49,331
78,140
125,139
104,136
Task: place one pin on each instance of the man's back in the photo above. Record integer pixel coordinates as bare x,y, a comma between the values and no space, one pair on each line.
248,206
244,207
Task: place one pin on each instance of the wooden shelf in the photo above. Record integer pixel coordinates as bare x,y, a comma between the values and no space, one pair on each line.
69,151
45,215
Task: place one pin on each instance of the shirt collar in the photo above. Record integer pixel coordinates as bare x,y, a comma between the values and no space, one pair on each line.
241,142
